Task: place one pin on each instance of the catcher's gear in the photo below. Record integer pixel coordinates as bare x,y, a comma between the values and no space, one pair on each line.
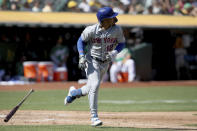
82,62
112,55
105,12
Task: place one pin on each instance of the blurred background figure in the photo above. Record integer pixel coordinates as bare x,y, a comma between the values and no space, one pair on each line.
19,68
84,6
123,69
119,8
135,37
59,54
189,9
180,53
36,7
2,73
156,5
95,5
47,7
25,7
72,6
139,9
134,7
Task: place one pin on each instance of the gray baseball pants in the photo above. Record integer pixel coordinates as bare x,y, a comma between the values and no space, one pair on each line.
95,71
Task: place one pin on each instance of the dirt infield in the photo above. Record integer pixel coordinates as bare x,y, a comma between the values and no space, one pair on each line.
162,120
64,85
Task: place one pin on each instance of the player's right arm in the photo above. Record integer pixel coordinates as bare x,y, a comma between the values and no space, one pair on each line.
83,39
80,46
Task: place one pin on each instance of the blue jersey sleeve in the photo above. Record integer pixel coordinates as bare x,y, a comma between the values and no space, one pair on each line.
120,46
80,46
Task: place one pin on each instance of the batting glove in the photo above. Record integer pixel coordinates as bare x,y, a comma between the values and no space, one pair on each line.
112,55
82,62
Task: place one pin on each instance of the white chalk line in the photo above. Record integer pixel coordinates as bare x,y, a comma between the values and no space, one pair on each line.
145,101
42,120
2,116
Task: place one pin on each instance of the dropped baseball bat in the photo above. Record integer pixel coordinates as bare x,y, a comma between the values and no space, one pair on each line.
13,111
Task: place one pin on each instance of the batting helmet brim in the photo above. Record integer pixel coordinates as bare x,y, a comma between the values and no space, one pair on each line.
114,15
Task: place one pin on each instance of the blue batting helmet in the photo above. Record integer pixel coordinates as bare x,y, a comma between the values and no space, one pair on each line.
105,12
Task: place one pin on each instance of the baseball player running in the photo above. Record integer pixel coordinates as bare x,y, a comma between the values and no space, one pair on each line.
103,42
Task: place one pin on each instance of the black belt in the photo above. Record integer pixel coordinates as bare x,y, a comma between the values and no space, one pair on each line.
99,60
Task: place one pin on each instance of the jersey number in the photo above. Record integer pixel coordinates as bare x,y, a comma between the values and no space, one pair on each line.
110,47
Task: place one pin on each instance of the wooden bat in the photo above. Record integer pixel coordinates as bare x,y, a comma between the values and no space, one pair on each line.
13,111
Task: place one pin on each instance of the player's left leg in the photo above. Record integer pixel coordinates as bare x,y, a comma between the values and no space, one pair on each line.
83,91
73,93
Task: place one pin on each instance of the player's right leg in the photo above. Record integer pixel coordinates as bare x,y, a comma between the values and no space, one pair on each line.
73,93
96,121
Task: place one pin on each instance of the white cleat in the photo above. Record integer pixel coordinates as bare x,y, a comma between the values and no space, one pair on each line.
96,122
68,99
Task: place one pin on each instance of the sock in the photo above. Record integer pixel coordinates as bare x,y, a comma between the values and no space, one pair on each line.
76,93
94,115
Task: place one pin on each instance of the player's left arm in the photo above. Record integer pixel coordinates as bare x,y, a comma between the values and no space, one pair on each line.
120,40
120,46
113,53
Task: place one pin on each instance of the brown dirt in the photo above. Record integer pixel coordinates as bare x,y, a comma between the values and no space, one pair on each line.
161,120
64,85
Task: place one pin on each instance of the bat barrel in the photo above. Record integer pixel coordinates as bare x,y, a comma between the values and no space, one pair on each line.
13,111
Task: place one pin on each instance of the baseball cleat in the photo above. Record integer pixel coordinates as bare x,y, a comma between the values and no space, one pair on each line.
96,122
69,98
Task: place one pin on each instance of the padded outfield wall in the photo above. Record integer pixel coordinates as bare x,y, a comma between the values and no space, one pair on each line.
80,19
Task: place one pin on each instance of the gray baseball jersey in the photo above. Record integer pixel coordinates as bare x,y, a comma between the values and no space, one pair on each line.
100,42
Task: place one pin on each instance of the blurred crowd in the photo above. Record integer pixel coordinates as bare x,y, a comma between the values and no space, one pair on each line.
168,7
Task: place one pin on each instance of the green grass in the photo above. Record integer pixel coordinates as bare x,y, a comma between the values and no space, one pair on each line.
134,99
73,128
192,124
144,99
